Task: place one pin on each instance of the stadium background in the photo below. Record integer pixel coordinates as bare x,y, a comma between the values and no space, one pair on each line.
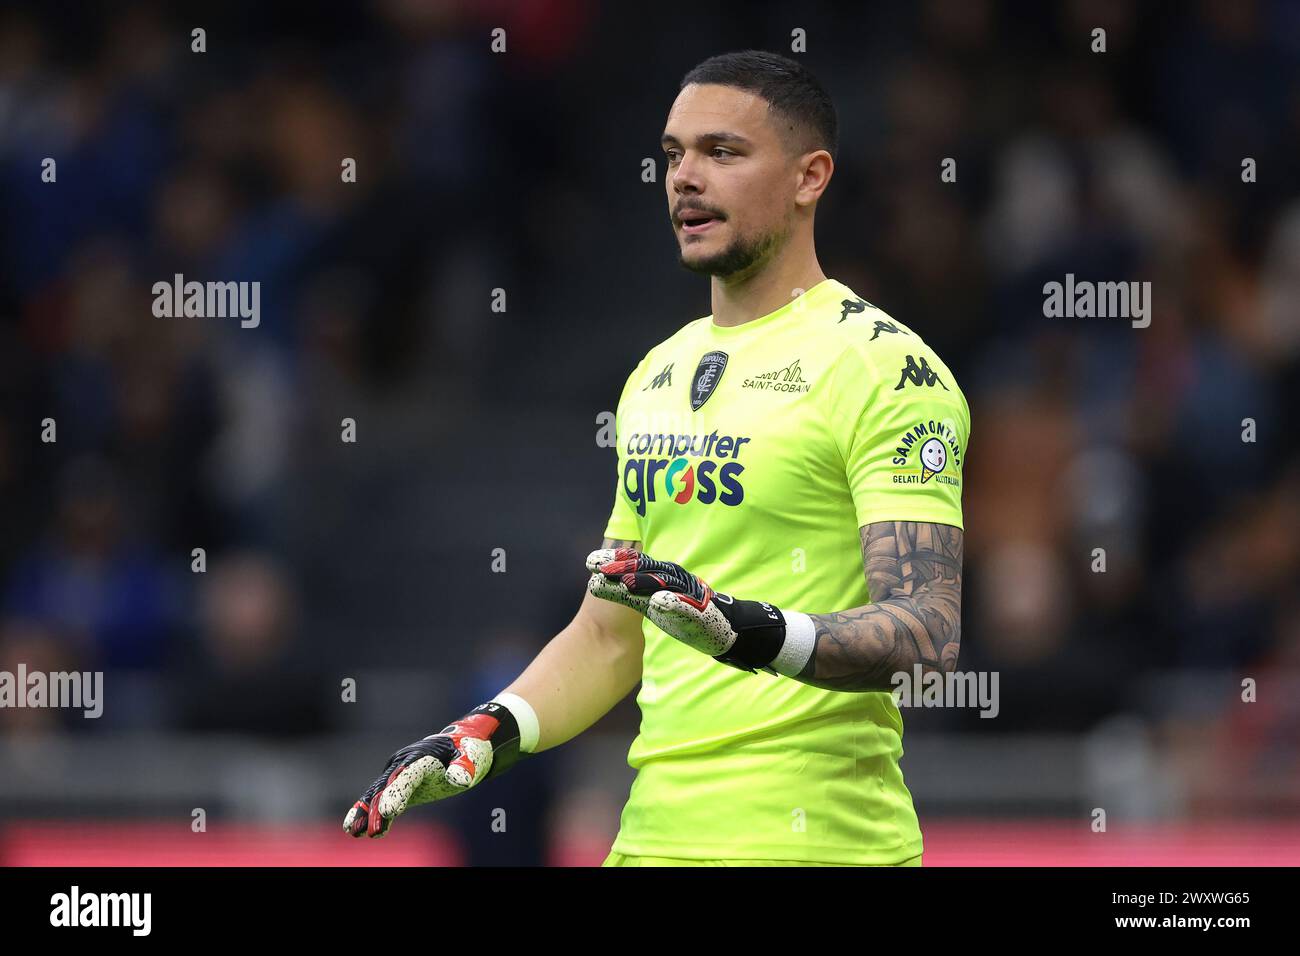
476,429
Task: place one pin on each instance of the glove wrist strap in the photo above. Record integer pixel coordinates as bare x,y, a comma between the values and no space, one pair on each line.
767,638
506,737
798,646
524,716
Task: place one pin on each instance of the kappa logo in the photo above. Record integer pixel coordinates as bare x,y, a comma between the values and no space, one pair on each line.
918,374
663,378
853,307
882,326
707,375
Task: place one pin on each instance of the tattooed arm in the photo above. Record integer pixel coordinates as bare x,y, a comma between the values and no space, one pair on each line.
914,578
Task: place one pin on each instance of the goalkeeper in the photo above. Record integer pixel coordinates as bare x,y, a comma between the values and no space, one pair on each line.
798,450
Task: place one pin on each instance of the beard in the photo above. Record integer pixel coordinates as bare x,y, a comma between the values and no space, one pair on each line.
742,256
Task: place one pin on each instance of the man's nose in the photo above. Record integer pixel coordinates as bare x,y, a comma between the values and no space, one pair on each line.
686,176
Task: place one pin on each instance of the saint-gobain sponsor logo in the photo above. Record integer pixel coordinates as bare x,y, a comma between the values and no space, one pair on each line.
788,379
683,468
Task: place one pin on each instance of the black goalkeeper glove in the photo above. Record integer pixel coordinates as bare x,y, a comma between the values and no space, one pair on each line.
483,743
749,635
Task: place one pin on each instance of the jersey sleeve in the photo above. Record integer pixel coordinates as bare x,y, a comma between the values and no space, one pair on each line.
622,524
902,425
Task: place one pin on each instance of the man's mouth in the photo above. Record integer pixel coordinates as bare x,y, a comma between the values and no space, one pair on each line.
694,223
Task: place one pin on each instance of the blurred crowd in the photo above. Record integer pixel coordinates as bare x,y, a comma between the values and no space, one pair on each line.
1091,440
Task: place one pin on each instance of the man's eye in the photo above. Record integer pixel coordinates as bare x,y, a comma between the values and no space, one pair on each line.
724,152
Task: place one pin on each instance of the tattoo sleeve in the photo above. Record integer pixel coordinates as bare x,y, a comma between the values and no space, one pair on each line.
914,579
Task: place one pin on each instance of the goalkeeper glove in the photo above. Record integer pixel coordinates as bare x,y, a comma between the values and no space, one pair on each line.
749,635
482,744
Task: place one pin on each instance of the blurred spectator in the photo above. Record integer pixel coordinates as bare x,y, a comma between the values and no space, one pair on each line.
38,648
250,674
88,578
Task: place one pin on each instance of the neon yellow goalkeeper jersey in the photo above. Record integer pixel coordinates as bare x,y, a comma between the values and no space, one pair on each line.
752,455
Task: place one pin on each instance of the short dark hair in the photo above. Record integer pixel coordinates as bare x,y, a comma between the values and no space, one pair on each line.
793,94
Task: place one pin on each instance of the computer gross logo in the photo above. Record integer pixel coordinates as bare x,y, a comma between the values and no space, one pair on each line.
681,468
